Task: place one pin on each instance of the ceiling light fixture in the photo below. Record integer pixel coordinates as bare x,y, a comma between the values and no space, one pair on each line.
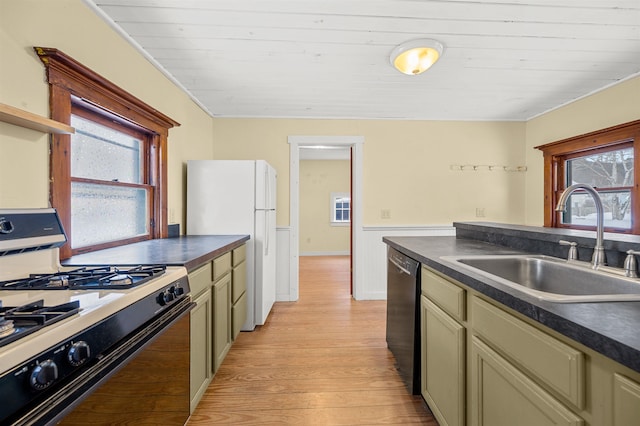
416,56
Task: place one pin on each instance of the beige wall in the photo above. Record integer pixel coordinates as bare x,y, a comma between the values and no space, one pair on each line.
70,26
615,105
406,165
318,179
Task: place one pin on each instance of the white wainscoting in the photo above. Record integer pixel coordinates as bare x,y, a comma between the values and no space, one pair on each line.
374,269
375,256
284,293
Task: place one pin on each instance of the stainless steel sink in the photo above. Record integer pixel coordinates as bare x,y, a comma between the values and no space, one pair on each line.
549,278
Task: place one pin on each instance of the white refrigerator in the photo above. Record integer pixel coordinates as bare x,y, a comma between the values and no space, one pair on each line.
231,197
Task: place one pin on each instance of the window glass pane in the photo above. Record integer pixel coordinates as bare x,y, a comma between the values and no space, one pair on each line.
101,213
603,170
340,203
102,153
612,169
581,209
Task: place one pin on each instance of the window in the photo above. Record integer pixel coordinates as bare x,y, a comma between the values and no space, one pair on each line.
108,182
340,208
109,179
605,160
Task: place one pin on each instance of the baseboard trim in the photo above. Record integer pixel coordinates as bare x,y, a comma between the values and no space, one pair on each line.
325,253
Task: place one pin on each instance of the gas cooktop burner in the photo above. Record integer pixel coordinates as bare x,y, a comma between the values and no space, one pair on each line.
6,328
20,321
87,278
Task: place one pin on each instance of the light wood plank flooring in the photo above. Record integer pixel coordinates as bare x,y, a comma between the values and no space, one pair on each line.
320,361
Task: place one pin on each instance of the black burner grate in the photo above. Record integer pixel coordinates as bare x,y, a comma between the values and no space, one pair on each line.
87,278
20,321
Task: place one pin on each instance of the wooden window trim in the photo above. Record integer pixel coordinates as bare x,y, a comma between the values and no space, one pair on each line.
627,134
71,82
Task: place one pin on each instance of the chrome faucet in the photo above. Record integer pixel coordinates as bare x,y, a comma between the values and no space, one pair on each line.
598,258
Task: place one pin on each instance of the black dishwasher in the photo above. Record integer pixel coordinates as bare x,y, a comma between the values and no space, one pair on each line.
403,316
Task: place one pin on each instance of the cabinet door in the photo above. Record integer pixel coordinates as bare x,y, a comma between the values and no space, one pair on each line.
221,320
626,401
201,332
443,364
501,395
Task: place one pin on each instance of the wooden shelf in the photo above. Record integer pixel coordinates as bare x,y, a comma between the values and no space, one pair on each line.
23,118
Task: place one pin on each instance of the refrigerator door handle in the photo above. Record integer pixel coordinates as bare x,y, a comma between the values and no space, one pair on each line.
267,189
266,227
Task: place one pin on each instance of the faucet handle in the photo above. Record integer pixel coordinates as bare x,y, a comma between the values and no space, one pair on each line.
573,249
630,264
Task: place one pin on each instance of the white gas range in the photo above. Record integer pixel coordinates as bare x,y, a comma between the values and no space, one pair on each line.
64,330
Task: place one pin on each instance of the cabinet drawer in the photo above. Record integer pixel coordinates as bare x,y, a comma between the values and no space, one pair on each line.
238,282
221,265
444,293
549,360
239,255
200,279
238,315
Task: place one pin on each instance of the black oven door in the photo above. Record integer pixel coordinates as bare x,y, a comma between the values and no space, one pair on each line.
165,372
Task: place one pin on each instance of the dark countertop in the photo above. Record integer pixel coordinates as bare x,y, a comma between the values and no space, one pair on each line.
608,328
189,251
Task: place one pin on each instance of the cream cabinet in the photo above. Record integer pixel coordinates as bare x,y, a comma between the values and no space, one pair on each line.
201,334
626,401
443,361
484,364
501,395
221,309
443,348
200,352
218,288
547,359
238,290
221,320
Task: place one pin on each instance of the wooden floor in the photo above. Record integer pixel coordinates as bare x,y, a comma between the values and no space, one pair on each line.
320,361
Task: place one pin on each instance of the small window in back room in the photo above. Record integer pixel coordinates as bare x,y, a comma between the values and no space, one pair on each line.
340,208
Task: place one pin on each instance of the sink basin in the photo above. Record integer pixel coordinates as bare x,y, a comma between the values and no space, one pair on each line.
549,278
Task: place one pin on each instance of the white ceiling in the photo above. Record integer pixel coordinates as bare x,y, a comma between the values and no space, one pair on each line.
503,59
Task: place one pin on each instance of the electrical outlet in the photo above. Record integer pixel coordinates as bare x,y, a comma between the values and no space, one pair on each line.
385,214
172,216
479,211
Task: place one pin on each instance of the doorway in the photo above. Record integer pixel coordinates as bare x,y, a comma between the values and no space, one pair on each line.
354,144
325,206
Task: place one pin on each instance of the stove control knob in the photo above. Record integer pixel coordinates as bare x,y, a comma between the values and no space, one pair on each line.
78,353
43,375
6,227
178,291
165,297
